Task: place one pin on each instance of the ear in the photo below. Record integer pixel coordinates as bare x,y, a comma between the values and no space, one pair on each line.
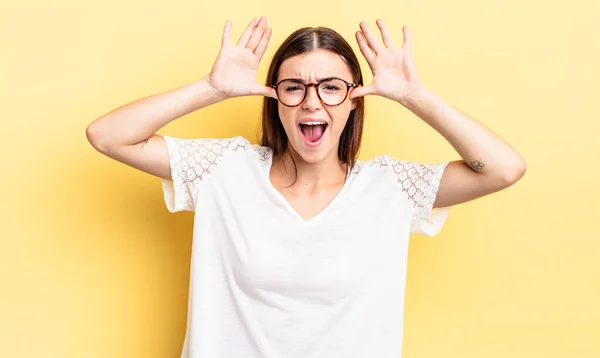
354,100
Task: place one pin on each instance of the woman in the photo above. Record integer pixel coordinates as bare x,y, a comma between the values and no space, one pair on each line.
299,248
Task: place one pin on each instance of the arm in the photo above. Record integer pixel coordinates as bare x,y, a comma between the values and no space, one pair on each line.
127,134
489,164
137,121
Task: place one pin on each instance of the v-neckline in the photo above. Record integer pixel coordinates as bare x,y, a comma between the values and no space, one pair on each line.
289,206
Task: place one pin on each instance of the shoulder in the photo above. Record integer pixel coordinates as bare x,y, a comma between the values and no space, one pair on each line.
409,174
217,145
386,162
214,148
381,163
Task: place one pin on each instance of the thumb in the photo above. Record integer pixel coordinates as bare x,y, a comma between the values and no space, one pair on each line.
361,91
267,92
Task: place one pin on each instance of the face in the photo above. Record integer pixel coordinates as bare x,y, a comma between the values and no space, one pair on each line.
310,68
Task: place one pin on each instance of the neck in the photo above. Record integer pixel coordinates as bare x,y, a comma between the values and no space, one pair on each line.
311,177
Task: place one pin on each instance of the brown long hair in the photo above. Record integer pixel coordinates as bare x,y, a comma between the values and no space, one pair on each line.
301,41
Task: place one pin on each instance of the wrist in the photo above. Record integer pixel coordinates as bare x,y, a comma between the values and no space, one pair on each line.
204,94
415,97
206,83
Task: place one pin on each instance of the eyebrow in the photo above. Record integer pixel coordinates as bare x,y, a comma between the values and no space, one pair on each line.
318,79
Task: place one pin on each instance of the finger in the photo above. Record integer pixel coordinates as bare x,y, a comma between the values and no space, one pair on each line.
262,46
387,38
257,35
372,41
407,44
226,33
361,91
270,92
246,35
364,48
265,91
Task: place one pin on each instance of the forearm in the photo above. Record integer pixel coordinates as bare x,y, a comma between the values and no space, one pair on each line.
136,121
480,148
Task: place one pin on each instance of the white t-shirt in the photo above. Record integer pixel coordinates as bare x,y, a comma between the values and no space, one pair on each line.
264,282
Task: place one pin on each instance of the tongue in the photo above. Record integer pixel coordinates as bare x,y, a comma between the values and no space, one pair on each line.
313,132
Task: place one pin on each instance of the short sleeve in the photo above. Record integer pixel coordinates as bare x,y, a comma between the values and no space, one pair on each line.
191,162
421,183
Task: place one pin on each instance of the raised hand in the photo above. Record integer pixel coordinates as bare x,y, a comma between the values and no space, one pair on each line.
234,72
394,72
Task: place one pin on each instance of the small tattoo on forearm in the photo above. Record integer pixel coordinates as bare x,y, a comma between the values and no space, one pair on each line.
146,141
477,165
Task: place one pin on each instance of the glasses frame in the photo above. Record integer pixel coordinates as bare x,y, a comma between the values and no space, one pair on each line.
308,85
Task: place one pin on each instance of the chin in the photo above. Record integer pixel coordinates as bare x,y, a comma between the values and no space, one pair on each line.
312,157
314,154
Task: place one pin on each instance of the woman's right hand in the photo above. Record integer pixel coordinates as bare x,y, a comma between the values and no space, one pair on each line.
234,71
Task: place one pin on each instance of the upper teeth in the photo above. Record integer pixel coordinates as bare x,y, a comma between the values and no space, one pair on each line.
313,123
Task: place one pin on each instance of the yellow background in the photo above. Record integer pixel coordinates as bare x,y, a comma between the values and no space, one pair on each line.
93,265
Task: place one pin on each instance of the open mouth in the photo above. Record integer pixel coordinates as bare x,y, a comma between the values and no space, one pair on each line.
313,133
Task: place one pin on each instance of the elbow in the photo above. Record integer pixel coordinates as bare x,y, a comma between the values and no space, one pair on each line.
516,172
92,137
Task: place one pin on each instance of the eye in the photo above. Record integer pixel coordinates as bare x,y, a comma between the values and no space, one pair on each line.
332,88
292,88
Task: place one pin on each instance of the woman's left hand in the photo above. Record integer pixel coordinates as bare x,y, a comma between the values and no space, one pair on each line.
394,73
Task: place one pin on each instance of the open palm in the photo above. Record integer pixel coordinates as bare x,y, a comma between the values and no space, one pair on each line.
234,72
394,72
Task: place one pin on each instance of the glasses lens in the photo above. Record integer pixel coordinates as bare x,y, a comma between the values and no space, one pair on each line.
332,92
291,92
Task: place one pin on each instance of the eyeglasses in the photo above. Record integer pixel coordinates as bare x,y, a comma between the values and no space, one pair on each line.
332,91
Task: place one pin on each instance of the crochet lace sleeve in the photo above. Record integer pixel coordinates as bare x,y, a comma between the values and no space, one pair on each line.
191,162
420,182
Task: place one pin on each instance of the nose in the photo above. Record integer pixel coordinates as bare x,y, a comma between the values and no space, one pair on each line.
312,98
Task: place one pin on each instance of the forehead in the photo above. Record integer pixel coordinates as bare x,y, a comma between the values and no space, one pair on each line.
314,65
